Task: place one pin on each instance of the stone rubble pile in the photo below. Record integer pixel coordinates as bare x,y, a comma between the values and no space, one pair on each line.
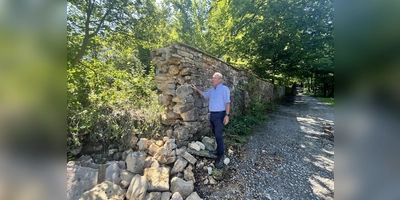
158,170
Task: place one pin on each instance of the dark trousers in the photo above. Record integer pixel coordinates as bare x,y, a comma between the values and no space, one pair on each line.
217,127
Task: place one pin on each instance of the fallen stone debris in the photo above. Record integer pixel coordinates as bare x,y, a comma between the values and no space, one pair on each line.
156,170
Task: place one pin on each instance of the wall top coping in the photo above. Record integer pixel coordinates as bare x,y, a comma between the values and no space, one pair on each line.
200,51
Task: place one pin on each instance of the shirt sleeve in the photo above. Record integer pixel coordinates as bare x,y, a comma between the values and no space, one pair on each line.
207,93
227,95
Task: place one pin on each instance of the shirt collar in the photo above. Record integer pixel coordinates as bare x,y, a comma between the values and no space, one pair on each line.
217,86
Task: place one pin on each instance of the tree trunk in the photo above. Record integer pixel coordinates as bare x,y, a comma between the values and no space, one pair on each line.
81,51
315,87
89,11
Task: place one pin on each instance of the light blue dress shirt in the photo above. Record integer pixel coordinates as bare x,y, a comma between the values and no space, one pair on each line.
218,97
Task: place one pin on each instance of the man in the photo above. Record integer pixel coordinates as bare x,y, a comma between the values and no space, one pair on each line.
219,108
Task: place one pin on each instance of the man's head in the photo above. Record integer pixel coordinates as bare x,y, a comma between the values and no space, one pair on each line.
217,79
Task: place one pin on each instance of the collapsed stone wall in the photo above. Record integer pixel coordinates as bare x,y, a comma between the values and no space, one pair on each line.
148,170
178,66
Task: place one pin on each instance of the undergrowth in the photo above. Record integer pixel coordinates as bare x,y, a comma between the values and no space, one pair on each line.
239,128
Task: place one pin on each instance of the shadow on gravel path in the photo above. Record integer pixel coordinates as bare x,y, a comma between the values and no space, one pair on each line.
290,157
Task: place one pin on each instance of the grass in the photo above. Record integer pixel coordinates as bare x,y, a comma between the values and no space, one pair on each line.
329,100
216,172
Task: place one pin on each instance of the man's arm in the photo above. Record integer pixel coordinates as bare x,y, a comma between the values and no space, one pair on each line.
199,91
227,111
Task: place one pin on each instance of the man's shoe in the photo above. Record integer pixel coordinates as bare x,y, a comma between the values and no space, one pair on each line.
220,162
213,154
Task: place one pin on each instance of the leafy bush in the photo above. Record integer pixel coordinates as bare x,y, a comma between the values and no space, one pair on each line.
108,105
244,125
247,119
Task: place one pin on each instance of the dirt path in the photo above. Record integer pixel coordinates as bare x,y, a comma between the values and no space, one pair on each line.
290,157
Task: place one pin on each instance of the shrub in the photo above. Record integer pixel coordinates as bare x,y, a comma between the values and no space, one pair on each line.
108,105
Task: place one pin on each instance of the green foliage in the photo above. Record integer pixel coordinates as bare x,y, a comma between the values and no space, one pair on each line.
271,106
330,101
119,104
111,91
244,125
217,172
246,119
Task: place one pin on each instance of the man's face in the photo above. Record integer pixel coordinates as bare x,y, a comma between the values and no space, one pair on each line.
216,80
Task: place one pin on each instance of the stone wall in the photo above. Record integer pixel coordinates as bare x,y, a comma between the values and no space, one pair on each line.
178,66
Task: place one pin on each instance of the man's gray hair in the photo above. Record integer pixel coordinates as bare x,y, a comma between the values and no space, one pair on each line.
219,74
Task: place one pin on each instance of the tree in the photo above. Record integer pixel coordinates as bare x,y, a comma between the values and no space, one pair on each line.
287,39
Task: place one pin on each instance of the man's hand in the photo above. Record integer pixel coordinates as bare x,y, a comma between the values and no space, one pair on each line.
195,88
226,119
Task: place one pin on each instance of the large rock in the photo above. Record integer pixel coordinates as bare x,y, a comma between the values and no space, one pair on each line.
143,144
202,153
153,149
176,196
202,146
192,160
181,133
171,159
193,127
112,173
187,71
133,142
126,153
85,159
180,150
182,108
135,162
104,191
162,155
153,196
190,115
185,188
209,143
137,188
159,143
102,173
126,178
172,115
179,165
158,178
212,180
170,144
164,100
185,54
166,195
173,70
149,161
194,146
185,100
167,85
183,91
188,174
79,180
194,196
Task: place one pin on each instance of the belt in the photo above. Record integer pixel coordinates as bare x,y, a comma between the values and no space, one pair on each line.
217,111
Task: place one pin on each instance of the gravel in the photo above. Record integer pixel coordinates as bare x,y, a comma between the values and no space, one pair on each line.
290,157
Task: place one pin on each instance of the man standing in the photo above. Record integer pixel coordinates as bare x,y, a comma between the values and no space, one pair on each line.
219,108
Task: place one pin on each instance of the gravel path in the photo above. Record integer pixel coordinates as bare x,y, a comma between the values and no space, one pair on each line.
290,157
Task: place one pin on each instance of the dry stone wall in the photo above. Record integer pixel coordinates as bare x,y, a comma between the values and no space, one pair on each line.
178,66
